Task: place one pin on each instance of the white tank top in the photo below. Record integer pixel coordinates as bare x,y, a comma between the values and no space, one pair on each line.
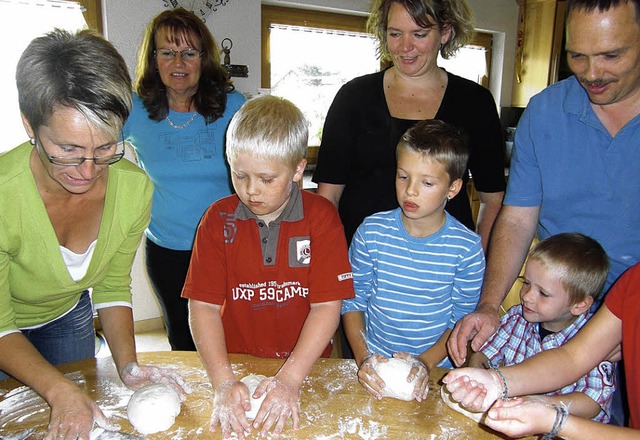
77,264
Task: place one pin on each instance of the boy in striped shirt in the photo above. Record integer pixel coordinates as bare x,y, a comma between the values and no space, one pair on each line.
416,269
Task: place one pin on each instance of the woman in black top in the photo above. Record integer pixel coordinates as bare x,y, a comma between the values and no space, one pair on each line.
356,162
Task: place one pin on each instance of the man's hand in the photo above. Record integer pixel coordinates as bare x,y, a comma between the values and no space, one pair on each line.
476,327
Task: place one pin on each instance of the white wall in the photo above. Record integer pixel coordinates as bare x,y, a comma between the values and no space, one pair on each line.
239,20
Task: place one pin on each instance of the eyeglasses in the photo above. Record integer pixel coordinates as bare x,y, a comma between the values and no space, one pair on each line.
102,158
186,54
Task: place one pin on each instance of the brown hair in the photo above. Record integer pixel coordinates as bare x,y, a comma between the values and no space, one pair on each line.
441,142
210,99
452,14
601,5
579,261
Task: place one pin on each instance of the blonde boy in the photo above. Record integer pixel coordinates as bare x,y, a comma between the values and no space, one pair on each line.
269,269
563,275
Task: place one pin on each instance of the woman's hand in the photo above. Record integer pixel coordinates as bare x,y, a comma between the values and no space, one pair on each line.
73,414
282,402
475,388
519,418
368,377
420,372
230,402
136,376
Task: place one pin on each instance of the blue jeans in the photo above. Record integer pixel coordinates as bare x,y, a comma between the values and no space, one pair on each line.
67,339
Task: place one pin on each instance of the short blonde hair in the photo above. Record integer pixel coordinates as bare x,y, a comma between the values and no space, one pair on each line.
578,261
452,14
268,127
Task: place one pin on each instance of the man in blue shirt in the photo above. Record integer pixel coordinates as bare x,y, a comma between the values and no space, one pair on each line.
576,160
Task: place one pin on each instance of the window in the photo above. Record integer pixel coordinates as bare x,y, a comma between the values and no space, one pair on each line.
472,61
42,16
309,55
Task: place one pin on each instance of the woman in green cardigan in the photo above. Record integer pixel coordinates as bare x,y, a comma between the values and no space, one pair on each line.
71,219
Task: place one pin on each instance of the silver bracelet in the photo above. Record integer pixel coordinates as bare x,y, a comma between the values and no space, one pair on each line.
562,414
505,392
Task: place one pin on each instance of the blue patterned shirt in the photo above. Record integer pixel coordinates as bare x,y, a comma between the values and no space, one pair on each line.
518,339
412,289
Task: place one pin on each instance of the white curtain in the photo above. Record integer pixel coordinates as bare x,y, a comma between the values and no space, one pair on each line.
20,22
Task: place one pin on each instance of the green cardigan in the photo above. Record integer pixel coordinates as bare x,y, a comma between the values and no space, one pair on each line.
35,285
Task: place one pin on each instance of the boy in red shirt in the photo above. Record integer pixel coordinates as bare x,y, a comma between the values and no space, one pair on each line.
269,269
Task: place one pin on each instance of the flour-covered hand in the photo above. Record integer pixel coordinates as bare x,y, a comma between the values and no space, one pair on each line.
475,388
518,418
282,402
230,402
73,414
136,376
418,371
369,378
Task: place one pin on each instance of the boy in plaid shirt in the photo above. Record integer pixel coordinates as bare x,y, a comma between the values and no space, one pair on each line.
563,275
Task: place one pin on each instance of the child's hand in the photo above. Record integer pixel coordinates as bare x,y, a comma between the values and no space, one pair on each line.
368,377
475,388
420,372
282,402
230,401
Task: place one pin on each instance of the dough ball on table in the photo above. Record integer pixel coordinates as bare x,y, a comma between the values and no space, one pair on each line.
252,381
394,372
153,408
446,398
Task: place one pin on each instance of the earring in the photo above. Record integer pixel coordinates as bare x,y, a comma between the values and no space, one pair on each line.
32,141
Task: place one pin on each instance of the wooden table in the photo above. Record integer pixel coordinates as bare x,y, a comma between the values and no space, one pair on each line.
333,404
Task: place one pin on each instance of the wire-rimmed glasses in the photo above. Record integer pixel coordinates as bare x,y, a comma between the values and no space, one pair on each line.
101,156
188,54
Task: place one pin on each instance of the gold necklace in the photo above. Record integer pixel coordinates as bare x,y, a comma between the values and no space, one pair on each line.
193,116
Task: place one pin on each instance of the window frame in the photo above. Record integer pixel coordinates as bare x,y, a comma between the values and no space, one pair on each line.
92,13
300,17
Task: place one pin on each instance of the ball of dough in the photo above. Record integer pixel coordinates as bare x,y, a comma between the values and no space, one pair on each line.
153,408
394,372
252,381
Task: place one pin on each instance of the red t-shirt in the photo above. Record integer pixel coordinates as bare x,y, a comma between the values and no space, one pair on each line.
266,277
623,300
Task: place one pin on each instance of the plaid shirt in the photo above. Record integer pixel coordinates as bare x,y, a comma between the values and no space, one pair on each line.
517,340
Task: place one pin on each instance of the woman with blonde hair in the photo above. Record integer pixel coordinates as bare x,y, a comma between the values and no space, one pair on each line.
356,162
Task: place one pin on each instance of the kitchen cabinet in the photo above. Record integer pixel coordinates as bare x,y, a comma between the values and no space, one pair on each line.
539,51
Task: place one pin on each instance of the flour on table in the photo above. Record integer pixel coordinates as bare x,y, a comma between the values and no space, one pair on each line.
252,381
394,373
153,408
446,398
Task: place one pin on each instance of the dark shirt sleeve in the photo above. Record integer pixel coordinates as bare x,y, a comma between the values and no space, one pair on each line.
472,108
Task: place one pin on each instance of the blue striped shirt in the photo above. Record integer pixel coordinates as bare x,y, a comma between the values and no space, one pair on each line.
412,289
